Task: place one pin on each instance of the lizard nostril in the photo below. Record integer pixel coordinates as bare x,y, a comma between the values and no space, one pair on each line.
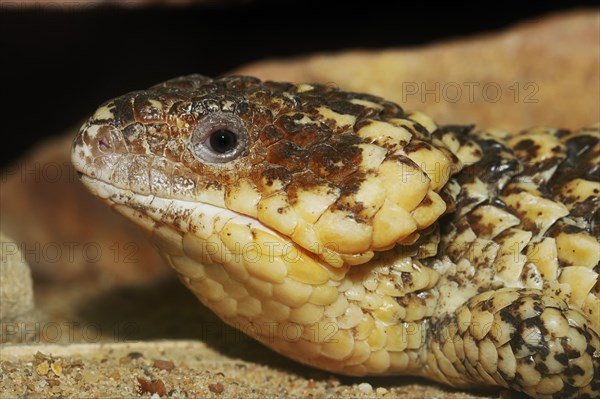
103,145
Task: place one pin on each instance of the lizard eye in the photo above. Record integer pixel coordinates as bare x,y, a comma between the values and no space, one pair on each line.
223,141
218,138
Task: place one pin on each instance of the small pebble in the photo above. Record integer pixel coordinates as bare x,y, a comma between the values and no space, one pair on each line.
154,386
155,396
115,375
164,365
365,387
216,388
53,383
135,355
381,391
90,377
332,381
56,368
43,368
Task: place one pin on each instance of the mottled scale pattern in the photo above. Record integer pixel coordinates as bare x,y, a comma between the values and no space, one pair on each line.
354,236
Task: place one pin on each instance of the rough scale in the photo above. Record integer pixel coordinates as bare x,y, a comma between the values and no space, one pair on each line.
353,236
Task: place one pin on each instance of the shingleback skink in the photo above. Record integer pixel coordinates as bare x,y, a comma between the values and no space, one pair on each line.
353,236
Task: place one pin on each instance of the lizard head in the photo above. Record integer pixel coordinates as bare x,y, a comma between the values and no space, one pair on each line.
264,195
339,175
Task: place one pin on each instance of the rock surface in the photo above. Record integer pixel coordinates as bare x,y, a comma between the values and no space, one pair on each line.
544,72
69,235
16,286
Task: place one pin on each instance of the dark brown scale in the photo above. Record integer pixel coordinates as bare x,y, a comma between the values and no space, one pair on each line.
289,155
331,164
145,111
346,107
185,82
156,137
460,132
303,134
497,166
276,174
270,134
526,149
479,229
305,181
578,164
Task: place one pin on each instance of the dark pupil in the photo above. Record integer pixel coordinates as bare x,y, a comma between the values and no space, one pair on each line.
223,141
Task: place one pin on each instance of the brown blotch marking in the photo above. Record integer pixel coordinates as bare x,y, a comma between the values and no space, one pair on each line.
480,229
426,201
156,137
123,109
407,279
270,134
560,133
144,110
78,142
276,173
347,143
183,111
527,149
541,367
477,151
348,108
134,136
350,187
213,185
570,352
581,152
242,108
327,162
287,154
302,134
362,123
573,370
416,145
175,133
497,163
460,132
305,180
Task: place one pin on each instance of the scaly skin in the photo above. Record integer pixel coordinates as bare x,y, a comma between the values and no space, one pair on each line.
352,236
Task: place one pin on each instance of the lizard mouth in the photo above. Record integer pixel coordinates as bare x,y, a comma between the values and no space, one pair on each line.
212,235
199,218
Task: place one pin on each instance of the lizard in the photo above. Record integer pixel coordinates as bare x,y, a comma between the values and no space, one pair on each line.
353,236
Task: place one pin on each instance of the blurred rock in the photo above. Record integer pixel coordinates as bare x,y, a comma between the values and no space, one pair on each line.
544,72
66,233
16,287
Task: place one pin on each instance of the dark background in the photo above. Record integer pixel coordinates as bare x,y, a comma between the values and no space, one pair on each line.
57,64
